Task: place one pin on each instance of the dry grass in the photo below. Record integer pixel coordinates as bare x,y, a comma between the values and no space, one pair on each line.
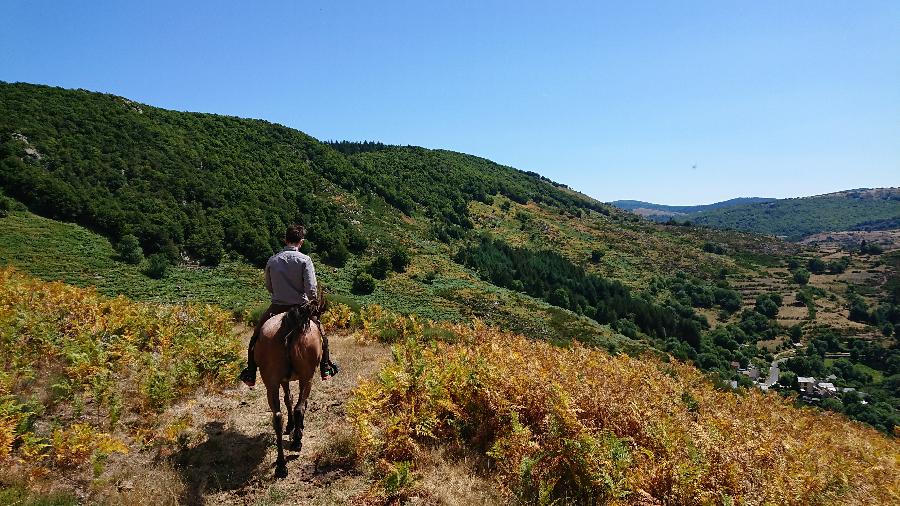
459,478
142,484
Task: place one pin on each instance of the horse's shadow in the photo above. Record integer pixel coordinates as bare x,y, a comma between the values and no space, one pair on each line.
227,460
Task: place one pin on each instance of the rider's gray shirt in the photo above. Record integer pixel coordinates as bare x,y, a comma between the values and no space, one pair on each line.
290,277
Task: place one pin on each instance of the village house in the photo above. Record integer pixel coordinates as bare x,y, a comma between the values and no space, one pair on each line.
806,384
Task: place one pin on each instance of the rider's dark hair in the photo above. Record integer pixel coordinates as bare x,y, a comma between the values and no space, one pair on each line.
294,234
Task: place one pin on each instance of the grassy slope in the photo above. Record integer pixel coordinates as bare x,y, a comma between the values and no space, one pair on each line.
53,250
438,189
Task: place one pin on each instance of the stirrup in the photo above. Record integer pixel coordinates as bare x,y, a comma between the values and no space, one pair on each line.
328,370
248,376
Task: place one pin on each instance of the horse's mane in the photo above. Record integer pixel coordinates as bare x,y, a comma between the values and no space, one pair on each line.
296,321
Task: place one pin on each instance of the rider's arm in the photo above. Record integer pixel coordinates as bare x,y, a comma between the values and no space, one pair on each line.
268,279
310,285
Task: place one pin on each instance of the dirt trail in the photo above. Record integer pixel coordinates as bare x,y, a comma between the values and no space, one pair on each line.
233,462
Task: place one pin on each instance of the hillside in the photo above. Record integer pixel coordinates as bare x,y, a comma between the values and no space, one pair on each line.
794,219
202,200
453,412
661,212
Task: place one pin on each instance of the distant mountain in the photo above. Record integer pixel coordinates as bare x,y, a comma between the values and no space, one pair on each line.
864,209
662,212
794,219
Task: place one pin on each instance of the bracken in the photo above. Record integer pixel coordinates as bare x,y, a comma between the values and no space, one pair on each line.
579,425
96,370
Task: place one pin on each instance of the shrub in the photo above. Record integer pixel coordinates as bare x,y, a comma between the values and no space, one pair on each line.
379,267
356,241
728,299
816,265
870,248
129,250
768,304
801,276
838,266
205,246
363,284
711,247
400,260
336,254
596,256
157,266
859,310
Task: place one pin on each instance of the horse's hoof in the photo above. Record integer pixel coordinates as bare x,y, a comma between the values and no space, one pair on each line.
280,471
296,445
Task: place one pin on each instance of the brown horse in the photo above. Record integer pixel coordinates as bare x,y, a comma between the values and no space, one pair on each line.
289,349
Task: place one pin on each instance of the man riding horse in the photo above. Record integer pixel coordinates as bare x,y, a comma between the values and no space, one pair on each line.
291,280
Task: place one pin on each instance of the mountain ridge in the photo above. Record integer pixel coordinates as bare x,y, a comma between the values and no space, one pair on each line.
792,218
650,209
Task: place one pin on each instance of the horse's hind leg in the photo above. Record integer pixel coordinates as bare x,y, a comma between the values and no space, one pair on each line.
275,406
288,401
299,413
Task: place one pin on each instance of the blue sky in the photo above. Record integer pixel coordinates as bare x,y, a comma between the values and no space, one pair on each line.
617,99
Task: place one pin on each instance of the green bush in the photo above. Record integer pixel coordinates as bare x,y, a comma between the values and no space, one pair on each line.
400,260
870,248
157,266
356,241
768,303
838,266
816,265
363,284
129,250
379,267
801,276
714,248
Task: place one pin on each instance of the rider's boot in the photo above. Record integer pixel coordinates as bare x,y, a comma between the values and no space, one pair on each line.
248,375
327,368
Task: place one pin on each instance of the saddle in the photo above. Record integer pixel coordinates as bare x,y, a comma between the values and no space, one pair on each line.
296,322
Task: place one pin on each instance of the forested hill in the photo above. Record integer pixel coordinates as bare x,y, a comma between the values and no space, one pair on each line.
862,209
205,184
659,211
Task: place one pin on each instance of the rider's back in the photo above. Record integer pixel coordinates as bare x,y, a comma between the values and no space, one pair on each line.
291,277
